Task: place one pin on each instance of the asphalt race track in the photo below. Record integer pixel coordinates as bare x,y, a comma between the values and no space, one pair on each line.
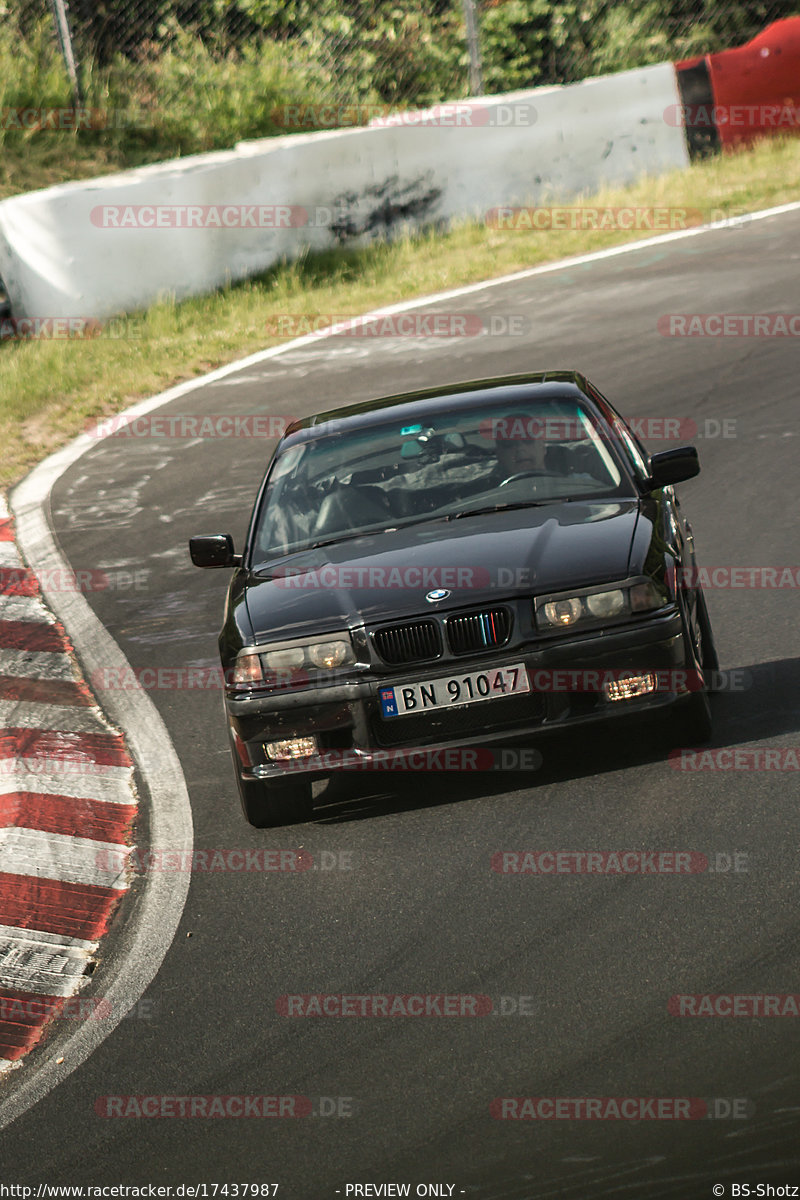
410,903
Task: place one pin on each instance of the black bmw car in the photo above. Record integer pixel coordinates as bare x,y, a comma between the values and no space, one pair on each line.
461,568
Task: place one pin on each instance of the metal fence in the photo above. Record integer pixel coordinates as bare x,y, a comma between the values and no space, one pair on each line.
392,52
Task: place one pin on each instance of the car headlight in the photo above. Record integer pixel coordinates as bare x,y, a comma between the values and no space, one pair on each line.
290,659
610,603
330,654
291,663
563,612
606,604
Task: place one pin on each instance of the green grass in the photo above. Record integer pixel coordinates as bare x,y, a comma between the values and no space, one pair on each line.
50,389
192,97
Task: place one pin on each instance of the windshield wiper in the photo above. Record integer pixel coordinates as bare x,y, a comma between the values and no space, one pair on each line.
356,533
490,508
395,525
345,537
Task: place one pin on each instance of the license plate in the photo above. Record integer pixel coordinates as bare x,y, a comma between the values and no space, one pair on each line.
451,691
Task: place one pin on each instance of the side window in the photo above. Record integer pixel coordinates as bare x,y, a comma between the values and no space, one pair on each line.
634,451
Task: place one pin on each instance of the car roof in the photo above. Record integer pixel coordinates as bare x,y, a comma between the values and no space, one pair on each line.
429,402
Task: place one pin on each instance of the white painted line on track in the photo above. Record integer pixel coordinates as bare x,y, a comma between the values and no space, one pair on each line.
143,942
37,664
162,900
9,556
45,939
82,781
53,969
43,855
68,718
25,608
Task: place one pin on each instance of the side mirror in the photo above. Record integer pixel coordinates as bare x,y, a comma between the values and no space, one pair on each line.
673,466
213,550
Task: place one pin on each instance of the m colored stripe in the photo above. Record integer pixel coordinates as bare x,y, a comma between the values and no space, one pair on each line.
106,749
95,820
18,581
71,909
23,1016
31,635
44,691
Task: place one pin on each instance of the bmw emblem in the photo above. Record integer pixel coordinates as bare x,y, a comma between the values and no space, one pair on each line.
437,594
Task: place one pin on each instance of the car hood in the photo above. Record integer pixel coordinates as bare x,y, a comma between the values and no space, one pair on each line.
478,560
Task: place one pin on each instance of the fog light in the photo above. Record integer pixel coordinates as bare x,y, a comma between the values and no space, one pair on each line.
291,748
630,688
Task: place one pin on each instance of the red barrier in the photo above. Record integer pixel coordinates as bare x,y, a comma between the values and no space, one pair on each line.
756,87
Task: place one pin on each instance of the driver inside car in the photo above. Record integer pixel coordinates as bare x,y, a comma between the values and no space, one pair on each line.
517,455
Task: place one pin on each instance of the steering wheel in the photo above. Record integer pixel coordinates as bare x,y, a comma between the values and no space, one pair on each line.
521,475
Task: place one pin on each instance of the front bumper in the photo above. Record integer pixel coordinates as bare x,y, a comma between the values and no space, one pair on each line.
351,733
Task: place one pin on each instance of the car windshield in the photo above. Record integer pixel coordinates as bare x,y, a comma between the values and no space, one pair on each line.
457,464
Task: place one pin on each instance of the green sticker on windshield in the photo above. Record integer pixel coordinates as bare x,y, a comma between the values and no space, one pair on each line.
409,429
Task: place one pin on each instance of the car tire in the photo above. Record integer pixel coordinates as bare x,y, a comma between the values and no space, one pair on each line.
710,658
692,720
268,804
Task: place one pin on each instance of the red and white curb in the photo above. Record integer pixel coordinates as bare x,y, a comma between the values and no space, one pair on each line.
67,798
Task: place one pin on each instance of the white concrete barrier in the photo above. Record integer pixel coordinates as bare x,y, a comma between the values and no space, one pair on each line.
115,244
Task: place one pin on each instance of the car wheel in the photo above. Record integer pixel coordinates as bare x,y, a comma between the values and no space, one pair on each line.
708,650
268,804
692,717
692,723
